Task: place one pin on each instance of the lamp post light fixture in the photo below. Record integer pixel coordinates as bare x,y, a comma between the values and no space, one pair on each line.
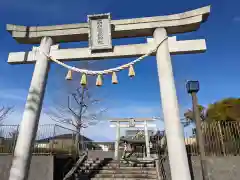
193,88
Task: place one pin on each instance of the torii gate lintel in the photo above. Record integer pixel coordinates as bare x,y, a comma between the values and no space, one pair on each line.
137,27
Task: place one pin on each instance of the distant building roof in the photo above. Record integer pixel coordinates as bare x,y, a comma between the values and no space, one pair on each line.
64,136
134,132
104,143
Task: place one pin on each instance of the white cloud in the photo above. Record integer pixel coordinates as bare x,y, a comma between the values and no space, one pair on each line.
13,94
236,19
134,111
16,117
146,110
100,132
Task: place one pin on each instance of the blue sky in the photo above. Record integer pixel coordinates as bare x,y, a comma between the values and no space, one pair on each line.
217,69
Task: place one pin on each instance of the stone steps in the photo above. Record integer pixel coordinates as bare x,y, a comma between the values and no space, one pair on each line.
122,178
139,175
125,163
107,170
131,165
127,171
127,168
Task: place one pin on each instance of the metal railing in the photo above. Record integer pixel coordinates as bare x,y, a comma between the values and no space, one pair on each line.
221,139
8,137
50,139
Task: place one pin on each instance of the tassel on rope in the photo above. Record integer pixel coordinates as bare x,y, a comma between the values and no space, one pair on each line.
114,78
69,75
131,71
84,80
99,81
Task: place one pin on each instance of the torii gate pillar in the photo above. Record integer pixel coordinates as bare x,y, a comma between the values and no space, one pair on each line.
174,131
116,152
29,125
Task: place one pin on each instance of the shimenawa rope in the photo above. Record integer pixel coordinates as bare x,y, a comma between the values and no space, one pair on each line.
108,71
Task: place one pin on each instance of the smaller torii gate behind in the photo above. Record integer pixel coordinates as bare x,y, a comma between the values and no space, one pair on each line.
131,124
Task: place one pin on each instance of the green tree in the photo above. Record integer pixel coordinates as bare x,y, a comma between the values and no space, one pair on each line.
223,130
190,116
226,113
227,109
224,110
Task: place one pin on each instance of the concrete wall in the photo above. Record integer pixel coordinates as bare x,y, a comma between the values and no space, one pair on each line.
220,168
100,154
41,167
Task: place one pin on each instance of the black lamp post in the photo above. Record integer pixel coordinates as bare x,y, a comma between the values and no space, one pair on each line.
193,88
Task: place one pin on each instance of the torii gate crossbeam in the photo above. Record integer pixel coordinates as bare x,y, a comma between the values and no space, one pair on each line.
159,27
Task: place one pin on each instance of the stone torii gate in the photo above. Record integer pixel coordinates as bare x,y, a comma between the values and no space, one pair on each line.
159,27
131,124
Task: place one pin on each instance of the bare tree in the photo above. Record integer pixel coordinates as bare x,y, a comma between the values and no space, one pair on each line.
80,110
4,112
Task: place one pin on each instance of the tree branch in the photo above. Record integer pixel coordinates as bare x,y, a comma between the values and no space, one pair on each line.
4,112
69,108
75,98
83,108
60,119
